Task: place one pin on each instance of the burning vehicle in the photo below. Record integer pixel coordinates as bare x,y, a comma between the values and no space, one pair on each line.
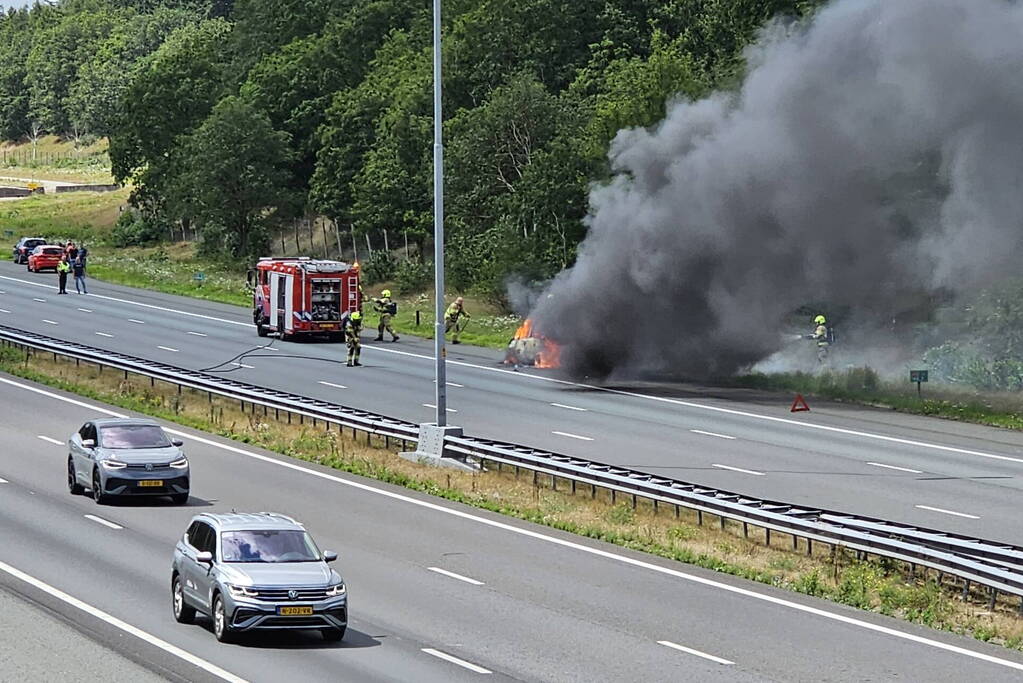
529,347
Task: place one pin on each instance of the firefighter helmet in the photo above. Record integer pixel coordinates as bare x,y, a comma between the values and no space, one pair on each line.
819,320
386,294
356,316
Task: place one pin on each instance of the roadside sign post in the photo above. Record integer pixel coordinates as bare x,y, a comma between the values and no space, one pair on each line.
918,376
199,278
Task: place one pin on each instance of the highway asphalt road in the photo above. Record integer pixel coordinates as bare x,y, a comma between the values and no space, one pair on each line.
933,473
439,591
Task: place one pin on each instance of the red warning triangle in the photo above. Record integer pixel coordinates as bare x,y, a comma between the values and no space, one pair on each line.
799,405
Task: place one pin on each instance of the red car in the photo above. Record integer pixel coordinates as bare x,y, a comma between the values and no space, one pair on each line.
44,256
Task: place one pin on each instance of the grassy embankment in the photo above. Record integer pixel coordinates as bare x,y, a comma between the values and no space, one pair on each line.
879,586
861,385
55,159
90,217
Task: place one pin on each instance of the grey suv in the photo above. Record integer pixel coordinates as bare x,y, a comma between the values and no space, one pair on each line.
251,571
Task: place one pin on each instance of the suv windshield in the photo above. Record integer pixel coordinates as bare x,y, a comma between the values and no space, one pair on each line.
269,546
133,436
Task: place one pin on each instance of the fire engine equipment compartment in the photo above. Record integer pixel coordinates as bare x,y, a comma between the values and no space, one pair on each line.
303,297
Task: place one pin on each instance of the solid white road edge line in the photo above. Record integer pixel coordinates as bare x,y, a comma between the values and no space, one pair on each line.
564,543
53,441
691,651
893,467
453,575
720,436
331,384
104,522
455,660
573,436
123,626
620,392
562,405
737,469
946,512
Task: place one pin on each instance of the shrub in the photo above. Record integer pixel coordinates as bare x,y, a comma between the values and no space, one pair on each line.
379,267
413,275
133,229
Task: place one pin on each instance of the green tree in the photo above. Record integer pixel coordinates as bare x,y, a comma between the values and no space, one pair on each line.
234,186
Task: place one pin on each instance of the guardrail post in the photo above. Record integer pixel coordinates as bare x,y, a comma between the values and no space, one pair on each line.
966,589
809,547
593,490
745,530
699,516
633,501
554,482
677,512
573,487
994,596
767,537
795,542
722,520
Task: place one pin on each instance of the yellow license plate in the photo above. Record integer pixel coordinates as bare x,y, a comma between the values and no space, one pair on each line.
304,611
328,327
149,482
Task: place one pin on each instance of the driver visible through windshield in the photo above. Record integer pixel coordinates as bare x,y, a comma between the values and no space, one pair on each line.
133,436
268,546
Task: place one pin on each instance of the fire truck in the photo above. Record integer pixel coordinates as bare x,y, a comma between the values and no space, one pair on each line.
297,297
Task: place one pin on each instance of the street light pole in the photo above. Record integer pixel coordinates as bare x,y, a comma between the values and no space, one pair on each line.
438,226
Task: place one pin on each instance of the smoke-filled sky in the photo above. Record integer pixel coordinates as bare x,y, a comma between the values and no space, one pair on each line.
873,151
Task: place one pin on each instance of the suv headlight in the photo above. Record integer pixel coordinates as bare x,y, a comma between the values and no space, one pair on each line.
113,464
242,591
180,464
336,590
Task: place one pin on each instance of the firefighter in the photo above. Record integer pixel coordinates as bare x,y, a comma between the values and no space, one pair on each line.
452,319
820,335
353,326
385,308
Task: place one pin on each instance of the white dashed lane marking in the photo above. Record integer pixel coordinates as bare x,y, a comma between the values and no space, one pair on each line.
562,405
894,467
430,405
720,436
453,575
42,301
331,384
104,522
104,334
691,651
574,436
455,660
738,469
137,322
167,348
50,322
947,512
198,334
49,440
85,310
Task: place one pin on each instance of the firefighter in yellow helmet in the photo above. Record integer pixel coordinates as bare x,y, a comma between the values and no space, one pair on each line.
452,319
353,326
820,335
385,308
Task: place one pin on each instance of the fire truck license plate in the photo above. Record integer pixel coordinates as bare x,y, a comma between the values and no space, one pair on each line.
328,327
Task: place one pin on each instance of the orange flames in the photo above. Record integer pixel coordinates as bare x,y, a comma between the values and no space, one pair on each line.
530,348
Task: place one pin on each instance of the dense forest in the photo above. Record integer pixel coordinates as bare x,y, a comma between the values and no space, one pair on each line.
234,117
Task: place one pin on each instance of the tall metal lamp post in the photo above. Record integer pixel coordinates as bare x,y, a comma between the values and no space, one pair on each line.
438,226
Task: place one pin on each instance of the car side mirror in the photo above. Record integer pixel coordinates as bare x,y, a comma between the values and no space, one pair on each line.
329,556
205,557
177,442
88,443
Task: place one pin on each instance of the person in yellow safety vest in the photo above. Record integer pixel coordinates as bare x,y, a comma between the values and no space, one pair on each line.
452,319
353,326
820,335
385,308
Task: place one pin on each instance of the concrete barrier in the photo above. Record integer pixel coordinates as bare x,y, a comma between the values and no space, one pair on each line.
87,188
15,192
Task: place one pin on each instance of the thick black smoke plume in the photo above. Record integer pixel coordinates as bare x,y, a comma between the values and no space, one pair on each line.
875,150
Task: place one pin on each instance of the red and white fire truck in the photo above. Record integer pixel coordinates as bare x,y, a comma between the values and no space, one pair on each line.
303,296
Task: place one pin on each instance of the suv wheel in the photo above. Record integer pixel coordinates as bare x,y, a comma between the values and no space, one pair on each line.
333,635
183,614
221,629
97,489
72,480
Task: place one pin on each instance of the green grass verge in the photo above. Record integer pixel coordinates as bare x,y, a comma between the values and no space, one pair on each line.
862,385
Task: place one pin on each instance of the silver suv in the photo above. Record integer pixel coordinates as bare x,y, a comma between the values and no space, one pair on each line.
251,571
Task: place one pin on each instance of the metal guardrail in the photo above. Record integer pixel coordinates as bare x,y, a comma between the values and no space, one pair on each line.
997,566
